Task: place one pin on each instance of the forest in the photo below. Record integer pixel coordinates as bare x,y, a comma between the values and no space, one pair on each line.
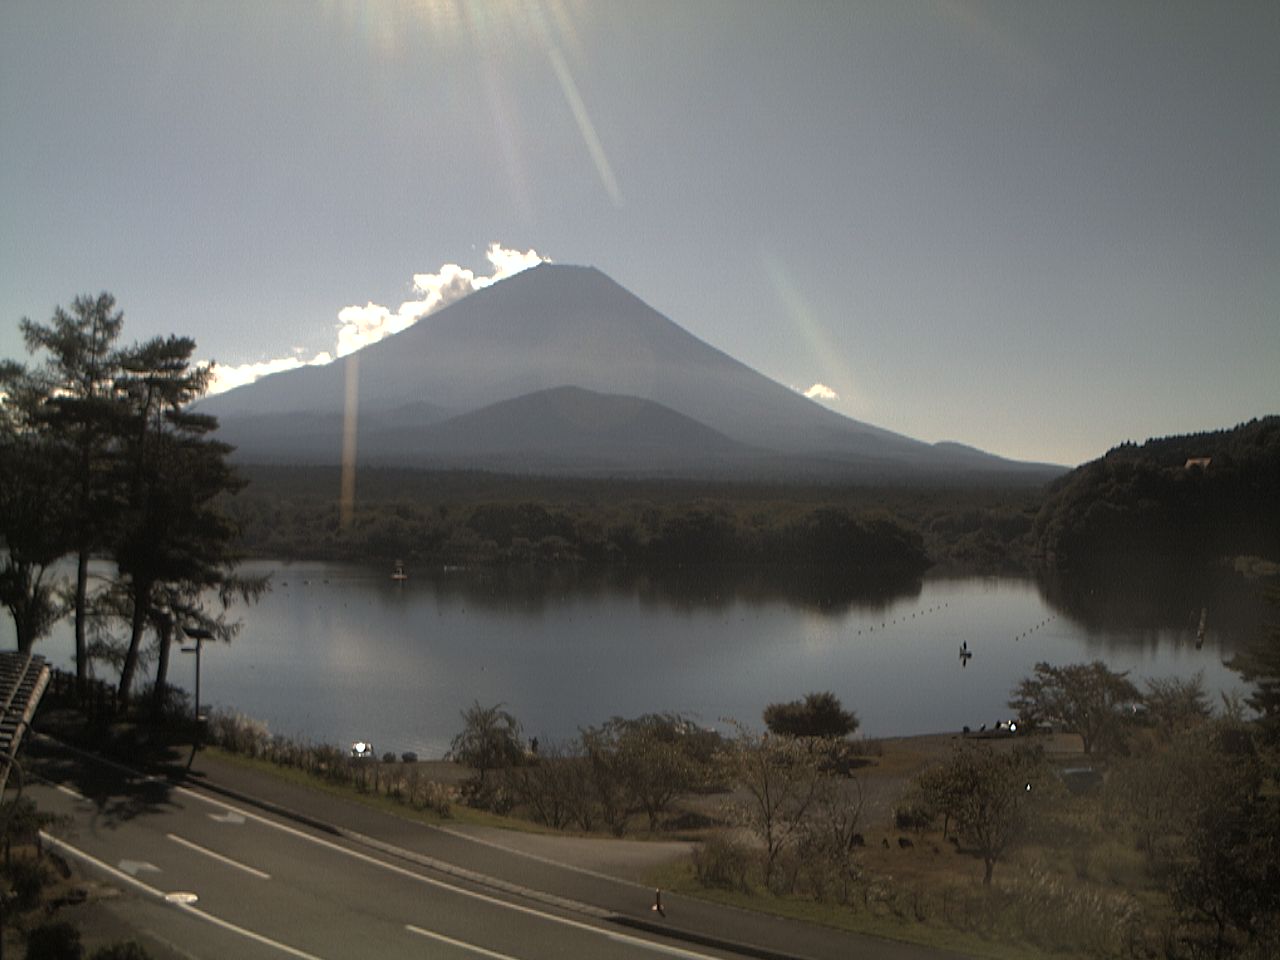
470,518
1179,502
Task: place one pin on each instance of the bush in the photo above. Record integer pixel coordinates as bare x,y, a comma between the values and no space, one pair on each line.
236,733
54,941
125,950
482,794
27,878
817,715
436,797
722,862
913,816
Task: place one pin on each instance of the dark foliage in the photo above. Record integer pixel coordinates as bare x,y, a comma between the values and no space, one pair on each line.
1260,665
1085,698
54,941
817,715
1163,501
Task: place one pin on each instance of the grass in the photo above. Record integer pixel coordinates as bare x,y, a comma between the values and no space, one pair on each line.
1071,883
927,868
679,878
459,814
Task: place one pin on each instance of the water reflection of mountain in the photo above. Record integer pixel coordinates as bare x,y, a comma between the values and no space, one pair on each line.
533,589
1156,598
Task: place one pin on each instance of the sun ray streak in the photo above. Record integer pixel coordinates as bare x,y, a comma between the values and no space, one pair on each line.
819,341
585,126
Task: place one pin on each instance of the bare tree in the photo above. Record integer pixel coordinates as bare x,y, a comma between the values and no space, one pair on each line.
782,777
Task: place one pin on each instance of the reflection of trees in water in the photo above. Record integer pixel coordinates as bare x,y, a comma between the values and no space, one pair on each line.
1143,605
533,589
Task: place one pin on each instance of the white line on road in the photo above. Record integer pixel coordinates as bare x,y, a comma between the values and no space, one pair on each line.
394,868
460,944
123,877
217,856
462,891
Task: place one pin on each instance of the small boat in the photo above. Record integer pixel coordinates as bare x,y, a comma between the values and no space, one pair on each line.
398,573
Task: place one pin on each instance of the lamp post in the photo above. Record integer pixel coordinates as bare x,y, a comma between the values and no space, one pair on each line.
199,635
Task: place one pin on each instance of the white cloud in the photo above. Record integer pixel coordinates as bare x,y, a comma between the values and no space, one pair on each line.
228,378
820,391
360,326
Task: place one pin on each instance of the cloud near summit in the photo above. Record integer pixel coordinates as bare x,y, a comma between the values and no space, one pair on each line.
360,326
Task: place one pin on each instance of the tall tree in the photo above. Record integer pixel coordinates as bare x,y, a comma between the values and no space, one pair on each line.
1260,665
988,795
490,740
171,531
182,606
33,502
1087,698
83,411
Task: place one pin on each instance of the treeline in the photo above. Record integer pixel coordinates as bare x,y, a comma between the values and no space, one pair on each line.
102,459
1181,500
468,518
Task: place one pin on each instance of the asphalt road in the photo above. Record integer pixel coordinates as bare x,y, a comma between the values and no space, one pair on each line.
238,864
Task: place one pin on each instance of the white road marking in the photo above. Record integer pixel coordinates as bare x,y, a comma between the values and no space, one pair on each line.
462,891
217,856
69,792
393,868
460,944
160,895
135,867
229,816
485,842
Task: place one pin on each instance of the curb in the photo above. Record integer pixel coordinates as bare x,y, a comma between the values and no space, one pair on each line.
185,778
681,934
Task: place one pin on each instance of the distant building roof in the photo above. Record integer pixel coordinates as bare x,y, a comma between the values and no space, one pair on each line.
1201,462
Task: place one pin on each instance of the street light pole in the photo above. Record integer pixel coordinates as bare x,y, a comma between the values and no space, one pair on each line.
199,635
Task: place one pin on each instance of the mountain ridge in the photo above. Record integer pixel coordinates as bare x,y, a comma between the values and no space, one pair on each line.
556,326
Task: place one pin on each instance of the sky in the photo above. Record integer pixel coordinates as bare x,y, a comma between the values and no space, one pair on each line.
1039,228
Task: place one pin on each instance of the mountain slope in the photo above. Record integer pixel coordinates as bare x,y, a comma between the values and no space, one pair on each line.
558,430
562,326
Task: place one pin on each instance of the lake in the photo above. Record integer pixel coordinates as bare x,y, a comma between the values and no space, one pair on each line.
337,653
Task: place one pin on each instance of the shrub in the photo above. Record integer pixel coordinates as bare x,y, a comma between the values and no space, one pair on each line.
817,715
27,878
125,950
722,862
913,816
54,941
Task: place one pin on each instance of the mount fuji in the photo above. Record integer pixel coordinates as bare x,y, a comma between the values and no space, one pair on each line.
560,370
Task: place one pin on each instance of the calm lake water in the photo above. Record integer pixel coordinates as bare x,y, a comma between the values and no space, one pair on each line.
337,653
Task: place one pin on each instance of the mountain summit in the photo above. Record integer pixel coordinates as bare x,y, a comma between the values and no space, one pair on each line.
559,369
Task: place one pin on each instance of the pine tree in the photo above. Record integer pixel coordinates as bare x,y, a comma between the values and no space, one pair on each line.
172,539
81,412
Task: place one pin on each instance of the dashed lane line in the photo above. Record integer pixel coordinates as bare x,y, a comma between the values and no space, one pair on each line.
214,855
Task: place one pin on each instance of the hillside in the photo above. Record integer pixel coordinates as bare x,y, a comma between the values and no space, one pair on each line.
1180,500
669,403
